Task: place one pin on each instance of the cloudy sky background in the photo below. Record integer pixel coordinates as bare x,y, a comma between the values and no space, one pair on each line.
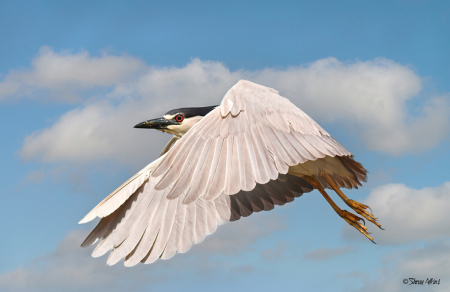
75,78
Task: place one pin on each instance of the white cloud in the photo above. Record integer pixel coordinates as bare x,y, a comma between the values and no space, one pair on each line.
324,253
63,74
96,132
274,254
71,268
407,214
35,176
431,261
233,238
100,130
370,97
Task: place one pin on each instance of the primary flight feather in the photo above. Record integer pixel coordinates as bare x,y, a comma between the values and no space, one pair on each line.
254,151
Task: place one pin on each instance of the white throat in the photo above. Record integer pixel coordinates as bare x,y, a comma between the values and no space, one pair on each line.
180,130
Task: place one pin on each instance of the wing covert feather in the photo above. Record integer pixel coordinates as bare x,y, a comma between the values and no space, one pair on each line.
232,163
290,137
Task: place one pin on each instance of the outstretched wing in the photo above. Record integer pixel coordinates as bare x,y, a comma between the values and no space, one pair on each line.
149,226
253,136
232,163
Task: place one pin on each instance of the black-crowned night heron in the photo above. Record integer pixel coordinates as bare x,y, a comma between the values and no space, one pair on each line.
254,151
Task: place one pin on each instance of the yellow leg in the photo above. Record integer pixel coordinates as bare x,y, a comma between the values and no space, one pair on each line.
358,207
351,219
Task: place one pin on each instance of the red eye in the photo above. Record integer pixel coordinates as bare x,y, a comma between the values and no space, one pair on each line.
179,118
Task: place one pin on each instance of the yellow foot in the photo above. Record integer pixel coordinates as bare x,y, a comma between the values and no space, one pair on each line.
353,220
361,210
358,207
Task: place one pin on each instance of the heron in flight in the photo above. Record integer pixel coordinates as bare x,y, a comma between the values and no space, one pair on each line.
252,152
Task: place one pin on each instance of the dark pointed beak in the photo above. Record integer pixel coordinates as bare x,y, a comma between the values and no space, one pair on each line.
159,123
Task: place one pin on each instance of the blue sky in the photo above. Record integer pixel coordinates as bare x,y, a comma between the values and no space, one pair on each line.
76,76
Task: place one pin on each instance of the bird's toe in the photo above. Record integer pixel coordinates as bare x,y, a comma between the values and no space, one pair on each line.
354,221
361,209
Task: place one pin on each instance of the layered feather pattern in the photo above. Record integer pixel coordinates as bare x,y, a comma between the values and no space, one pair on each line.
247,155
149,226
256,133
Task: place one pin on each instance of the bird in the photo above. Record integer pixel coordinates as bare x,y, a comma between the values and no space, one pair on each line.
254,151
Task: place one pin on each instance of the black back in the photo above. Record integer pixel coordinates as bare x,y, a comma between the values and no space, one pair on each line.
192,111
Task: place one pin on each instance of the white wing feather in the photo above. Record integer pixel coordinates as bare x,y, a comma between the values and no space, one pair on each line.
232,163
254,115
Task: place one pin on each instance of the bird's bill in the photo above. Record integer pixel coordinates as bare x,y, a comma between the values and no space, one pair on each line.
159,123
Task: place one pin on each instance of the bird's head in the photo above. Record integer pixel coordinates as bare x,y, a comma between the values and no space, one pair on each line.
178,121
